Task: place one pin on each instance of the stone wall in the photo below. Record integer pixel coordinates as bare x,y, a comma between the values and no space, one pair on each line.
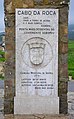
10,6
70,98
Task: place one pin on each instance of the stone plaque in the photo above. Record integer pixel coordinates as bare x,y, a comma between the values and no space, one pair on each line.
36,61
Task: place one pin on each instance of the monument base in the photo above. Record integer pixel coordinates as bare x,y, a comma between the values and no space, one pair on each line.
36,105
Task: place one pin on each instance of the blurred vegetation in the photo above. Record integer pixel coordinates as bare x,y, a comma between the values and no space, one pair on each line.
71,58
2,59
1,77
2,56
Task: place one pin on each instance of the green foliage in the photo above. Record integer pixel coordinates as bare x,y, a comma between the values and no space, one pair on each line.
2,59
71,58
2,54
1,77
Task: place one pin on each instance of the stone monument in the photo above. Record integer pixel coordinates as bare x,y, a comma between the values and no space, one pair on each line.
36,61
36,70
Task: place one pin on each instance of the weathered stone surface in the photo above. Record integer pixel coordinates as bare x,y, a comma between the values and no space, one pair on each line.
63,66
45,1
25,6
64,32
36,117
8,55
63,47
63,15
9,7
63,58
12,5
16,4
70,97
56,2
63,70
29,3
9,46
9,94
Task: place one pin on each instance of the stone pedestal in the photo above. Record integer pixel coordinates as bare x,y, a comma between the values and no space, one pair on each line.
36,105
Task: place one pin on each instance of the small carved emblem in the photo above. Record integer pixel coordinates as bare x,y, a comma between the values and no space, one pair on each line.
36,53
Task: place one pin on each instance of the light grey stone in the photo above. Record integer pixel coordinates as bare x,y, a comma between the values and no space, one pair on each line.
36,61
71,86
70,98
36,105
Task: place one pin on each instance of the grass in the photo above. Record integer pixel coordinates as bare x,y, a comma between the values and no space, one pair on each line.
71,58
2,59
2,54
